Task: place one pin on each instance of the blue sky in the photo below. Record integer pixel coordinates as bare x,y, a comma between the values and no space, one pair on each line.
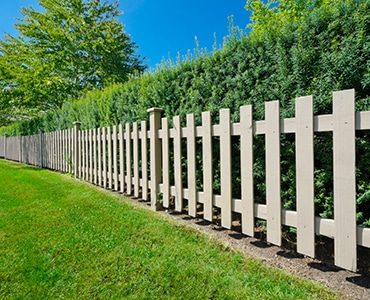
161,28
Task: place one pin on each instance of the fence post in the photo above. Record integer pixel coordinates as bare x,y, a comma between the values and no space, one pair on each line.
76,129
155,155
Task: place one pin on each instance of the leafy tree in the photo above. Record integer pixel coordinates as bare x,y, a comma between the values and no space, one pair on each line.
275,17
67,48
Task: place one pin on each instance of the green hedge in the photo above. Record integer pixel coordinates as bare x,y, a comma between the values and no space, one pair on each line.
328,50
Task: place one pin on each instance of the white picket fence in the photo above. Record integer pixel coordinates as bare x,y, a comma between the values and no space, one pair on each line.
117,158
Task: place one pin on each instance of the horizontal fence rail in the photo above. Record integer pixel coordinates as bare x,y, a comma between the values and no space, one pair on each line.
148,163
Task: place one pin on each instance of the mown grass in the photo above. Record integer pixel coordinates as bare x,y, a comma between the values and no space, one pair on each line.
60,238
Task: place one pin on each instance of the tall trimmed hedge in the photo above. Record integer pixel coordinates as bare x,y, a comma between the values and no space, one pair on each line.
328,50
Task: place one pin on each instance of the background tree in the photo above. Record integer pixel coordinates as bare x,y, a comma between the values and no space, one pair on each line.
67,48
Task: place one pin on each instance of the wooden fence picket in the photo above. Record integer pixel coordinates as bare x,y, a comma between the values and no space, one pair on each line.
80,150
115,155
207,166
104,157
128,159
54,135
144,160
90,156
64,151
305,176
273,194
344,158
135,138
87,158
246,168
165,163
99,141
76,130
225,166
86,178
51,150
53,143
84,155
70,162
60,152
122,158
109,163
177,164
191,158
95,159
56,145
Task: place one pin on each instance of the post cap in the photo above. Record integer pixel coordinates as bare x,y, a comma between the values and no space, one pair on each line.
154,109
77,123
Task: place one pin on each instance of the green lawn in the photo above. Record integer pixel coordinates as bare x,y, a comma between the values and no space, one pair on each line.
60,238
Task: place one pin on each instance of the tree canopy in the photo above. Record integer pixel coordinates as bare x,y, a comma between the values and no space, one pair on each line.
67,48
274,17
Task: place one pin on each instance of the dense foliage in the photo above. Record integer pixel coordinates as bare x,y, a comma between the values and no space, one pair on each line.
62,51
314,47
